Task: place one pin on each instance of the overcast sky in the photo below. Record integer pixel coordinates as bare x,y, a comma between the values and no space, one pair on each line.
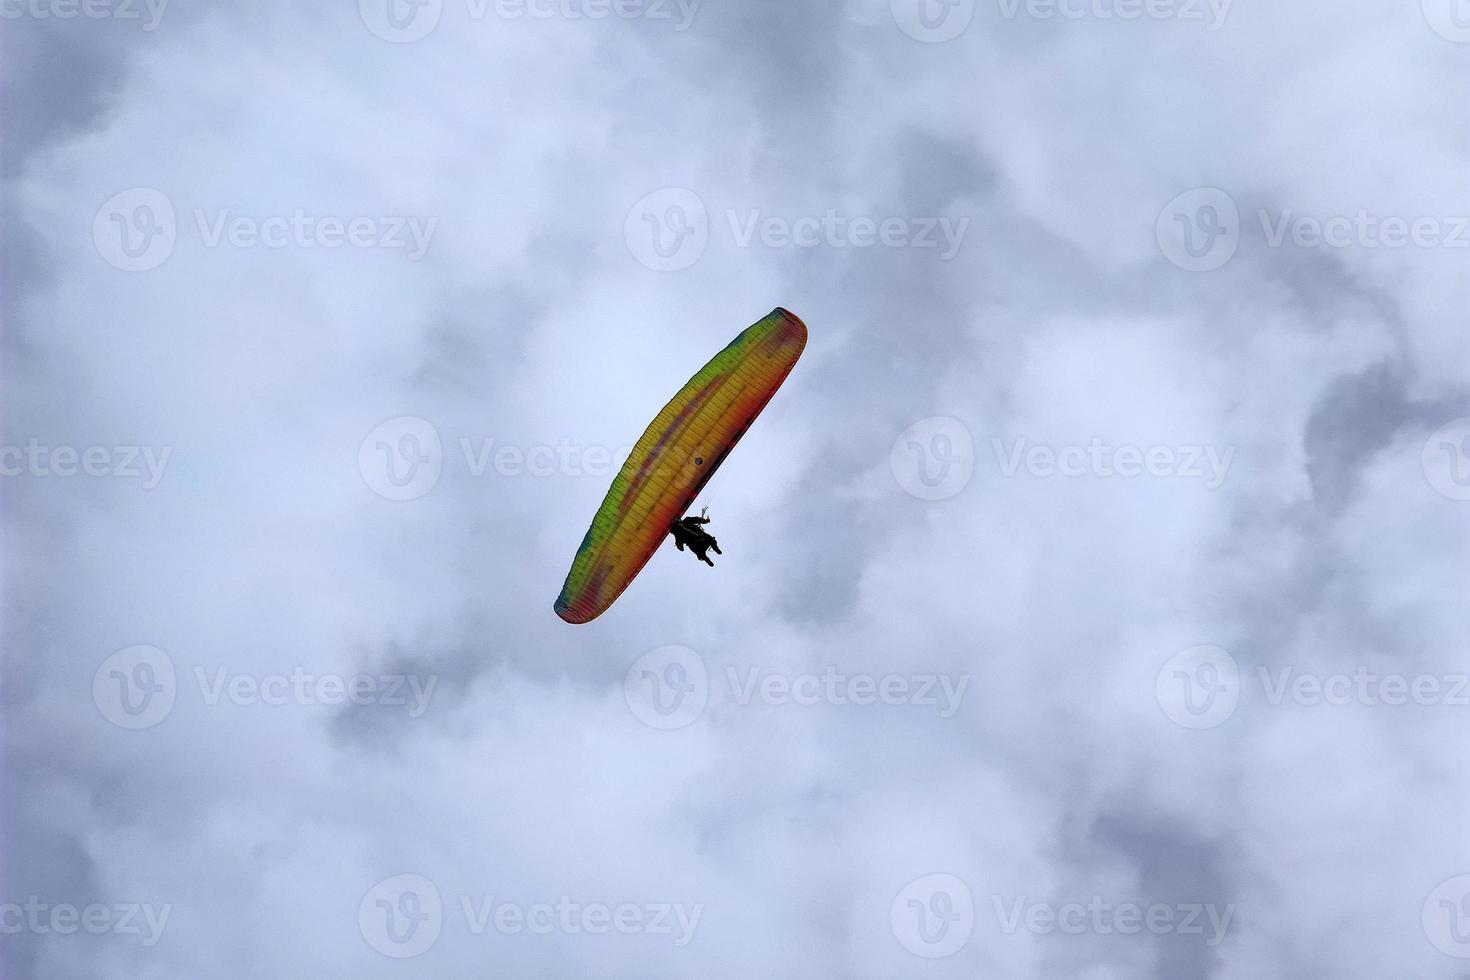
1092,602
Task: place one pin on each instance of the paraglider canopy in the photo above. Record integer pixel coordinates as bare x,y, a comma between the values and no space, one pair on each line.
676,456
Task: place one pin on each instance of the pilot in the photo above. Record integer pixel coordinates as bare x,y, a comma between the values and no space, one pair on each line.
690,530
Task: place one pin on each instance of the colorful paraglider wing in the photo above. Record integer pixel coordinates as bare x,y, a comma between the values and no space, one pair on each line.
675,458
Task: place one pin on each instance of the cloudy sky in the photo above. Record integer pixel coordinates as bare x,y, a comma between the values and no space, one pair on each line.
1092,598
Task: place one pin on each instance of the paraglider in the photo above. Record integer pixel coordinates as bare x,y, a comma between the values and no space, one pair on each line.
690,531
673,460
